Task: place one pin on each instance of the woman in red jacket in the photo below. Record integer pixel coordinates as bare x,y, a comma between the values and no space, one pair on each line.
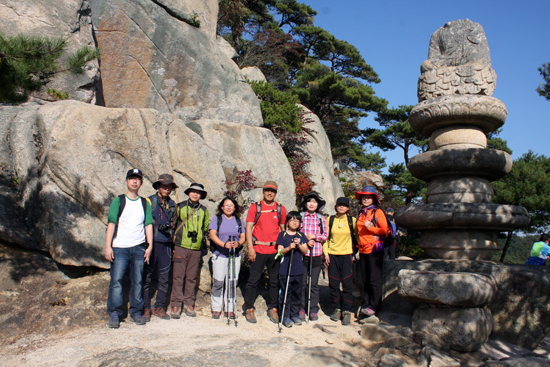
372,227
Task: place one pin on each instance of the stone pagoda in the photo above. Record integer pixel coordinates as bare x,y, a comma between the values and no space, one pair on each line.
456,111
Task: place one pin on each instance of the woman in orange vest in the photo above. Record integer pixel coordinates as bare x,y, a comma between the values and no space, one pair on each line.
372,227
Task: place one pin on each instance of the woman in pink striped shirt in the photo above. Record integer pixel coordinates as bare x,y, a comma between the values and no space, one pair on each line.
314,226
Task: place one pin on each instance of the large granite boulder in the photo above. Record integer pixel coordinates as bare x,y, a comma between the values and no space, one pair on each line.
520,306
69,160
450,289
152,59
463,329
321,165
56,18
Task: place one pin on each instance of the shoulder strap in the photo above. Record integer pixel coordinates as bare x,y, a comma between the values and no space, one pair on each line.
181,205
330,223
354,241
258,212
219,224
279,213
240,223
144,205
320,218
122,204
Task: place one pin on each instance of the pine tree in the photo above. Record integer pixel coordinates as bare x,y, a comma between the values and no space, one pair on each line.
28,62
544,88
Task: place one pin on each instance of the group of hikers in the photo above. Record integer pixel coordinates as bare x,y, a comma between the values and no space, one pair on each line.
154,236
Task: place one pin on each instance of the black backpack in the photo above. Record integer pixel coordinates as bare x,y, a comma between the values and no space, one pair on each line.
389,240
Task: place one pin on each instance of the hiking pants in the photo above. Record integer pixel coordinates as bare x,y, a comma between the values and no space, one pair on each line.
124,258
315,272
389,252
256,269
161,260
220,265
340,271
371,266
186,267
292,308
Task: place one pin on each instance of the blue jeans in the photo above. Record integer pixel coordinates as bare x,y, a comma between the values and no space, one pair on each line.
132,257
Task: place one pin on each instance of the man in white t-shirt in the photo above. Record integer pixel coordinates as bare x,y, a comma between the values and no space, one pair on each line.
128,244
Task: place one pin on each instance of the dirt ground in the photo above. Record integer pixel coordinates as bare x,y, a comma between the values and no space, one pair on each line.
48,318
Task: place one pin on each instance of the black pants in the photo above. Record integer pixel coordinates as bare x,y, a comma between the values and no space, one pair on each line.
251,288
160,260
371,266
340,270
389,252
315,272
292,308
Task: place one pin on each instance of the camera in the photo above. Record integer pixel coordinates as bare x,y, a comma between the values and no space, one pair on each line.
193,235
166,229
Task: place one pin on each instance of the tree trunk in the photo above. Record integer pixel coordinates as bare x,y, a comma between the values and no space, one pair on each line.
505,248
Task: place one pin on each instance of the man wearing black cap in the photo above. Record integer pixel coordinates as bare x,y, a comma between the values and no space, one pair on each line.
163,209
128,244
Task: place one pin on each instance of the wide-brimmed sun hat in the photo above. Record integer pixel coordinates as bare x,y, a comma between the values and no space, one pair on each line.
197,187
165,179
367,190
315,195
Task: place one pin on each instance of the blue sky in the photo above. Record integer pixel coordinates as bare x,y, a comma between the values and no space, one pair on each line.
393,37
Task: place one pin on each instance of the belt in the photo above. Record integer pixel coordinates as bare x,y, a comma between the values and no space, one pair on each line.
264,243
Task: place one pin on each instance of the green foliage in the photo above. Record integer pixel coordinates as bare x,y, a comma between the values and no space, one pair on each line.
28,62
408,246
194,20
279,108
78,60
494,142
57,94
403,187
544,88
518,250
528,185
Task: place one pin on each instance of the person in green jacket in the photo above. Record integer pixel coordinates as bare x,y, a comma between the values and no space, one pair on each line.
191,223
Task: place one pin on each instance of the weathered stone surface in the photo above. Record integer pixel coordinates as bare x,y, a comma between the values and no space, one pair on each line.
321,165
457,137
392,360
71,158
458,62
519,317
459,244
520,362
253,74
487,113
380,332
396,342
431,357
56,18
426,339
485,163
451,289
141,68
460,190
226,48
480,216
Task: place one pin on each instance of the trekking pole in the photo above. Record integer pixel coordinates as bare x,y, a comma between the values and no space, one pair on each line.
309,283
235,281
228,285
286,289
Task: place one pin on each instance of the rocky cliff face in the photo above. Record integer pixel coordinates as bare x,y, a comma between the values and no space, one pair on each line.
169,99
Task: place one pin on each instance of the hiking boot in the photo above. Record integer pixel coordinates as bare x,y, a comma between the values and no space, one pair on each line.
216,315
336,315
288,322
147,315
114,323
249,315
231,315
347,318
367,311
137,319
175,313
189,311
296,320
302,315
161,313
313,316
273,317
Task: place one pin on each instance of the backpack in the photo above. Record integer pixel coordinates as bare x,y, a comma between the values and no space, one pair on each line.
319,217
389,240
354,241
122,199
259,212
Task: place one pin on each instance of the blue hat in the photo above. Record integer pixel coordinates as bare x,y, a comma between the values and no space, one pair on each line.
134,172
367,190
